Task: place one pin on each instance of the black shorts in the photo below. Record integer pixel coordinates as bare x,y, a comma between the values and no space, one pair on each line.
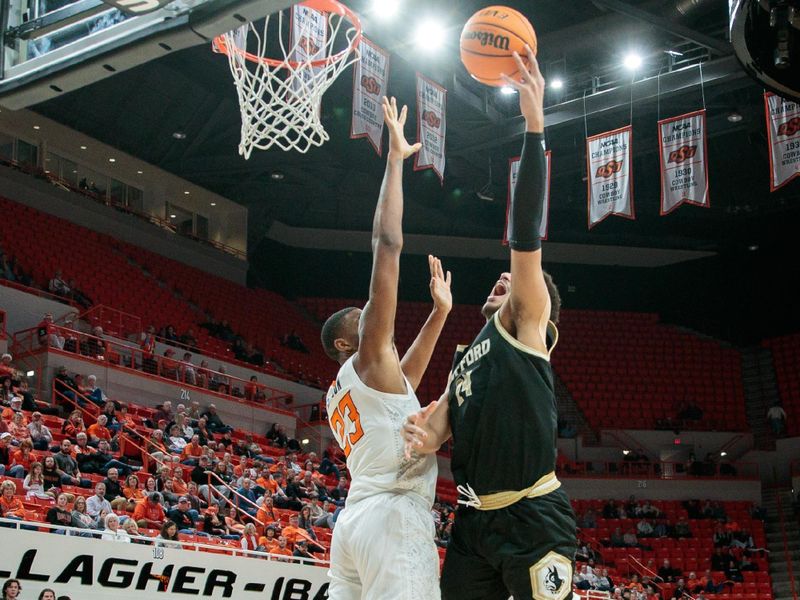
526,550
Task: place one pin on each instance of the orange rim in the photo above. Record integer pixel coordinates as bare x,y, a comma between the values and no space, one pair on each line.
328,6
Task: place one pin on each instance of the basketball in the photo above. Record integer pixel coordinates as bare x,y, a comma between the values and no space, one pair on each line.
489,39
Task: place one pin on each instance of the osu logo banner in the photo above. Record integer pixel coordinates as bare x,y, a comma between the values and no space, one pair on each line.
610,180
431,125
513,171
684,161
370,76
310,29
783,126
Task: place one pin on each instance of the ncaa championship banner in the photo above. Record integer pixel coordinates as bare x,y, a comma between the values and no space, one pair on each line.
310,31
513,171
93,569
370,76
783,135
431,125
609,162
684,161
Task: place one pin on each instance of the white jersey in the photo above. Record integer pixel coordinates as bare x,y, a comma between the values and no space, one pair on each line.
367,424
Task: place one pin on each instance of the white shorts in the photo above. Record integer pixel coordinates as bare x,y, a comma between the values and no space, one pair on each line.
383,549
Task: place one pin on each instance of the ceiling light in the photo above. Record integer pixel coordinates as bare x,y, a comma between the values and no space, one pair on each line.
430,35
277,176
632,61
626,452
735,117
30,373
752,247
179,135
83,147
557,83
36,127
186,192
305,441
213,204
139,172
507,90
723,453
112,160
173,216
385,10
673,53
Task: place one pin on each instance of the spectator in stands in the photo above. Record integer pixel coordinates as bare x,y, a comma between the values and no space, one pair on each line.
282,549
6,368
776,417
584,579
80,518
164,413
23,456
73,425
113,532
188,373
644,528
220,382
233,525
102,460
51,477
214,421
169,334
16,471
176,442
40,434
322,515
251,391
245,492
114,492
95,346
212,524
18,426
249,540
302,554
733,572
66,386
667,573
34,483
11,589
68,466
149,514
98,431
587,521
48,335
184,516
133,493
680,589
94,393
168,537
339,493
97,503
269,540
10,506
147,343
170,367
681,529
58,285
604,582
60,514
617,539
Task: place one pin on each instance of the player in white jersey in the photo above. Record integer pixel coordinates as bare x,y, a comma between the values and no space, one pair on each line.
383,546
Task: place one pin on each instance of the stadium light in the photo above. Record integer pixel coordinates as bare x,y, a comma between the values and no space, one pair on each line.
305,441
507,90
430,35
723,453
632,61
30,373
557,83
385,10
626,452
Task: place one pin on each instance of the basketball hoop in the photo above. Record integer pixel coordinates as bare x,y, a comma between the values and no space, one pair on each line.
279,98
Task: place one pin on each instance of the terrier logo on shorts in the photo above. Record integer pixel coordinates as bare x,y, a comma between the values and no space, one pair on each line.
551,577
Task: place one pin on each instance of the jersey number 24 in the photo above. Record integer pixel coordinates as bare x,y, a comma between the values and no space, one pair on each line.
346,424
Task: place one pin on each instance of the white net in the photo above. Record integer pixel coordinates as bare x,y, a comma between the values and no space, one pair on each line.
281,102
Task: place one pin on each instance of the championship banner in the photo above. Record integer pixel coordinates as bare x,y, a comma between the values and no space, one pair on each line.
609,162
431,125
513,171
370,76
783,133
310,30
684,161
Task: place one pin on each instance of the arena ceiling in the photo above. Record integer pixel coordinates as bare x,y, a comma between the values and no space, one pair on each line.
335,187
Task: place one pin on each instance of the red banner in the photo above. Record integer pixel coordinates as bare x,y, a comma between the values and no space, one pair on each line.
684,161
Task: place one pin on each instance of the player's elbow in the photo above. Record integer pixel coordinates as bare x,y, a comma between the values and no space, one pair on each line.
388,241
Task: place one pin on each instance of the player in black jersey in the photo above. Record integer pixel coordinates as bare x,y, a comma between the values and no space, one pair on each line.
514,533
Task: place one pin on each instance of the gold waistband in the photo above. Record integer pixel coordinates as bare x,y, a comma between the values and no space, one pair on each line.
546,484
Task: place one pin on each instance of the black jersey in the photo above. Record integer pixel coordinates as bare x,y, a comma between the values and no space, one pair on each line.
503,412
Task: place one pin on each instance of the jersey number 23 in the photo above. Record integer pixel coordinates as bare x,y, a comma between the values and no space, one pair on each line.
346,424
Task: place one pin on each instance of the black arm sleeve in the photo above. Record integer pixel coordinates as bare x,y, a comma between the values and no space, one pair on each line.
525,216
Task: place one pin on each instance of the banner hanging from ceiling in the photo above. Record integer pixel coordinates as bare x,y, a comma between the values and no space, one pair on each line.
684,161
783,135
431,125
370,77
513,171
309,36
610,175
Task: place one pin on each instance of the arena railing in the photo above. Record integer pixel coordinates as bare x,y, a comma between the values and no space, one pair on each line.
212,489
658,470
113,321
40,293
132,358
194,545
642,570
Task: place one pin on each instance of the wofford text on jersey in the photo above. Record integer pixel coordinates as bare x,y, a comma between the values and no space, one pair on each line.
153,577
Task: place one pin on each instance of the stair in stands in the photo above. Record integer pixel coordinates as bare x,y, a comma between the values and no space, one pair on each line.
760,392
777,545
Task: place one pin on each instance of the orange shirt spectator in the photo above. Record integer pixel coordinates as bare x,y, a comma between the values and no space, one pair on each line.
292,534
191,451
268,484
270,544
152,512
179,486
12,507
21,457
101,432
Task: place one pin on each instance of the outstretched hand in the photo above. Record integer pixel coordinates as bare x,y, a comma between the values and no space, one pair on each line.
531,90
398,145
413,433
440,285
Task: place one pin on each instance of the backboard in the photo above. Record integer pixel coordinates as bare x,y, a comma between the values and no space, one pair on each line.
49,47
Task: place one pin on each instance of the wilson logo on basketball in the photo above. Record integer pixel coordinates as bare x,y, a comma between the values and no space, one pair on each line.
607,170
681,154
308,45
371,85
432,119
501,42
789,128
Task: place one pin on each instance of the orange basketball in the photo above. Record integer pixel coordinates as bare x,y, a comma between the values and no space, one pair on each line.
488,40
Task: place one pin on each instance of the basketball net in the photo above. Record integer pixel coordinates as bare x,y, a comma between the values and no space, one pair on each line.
280,99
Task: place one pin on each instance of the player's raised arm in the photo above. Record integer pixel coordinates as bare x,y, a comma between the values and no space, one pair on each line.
416,360
527,311
376,331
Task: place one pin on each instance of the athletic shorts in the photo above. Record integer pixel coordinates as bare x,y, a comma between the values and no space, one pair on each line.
526,550
383,549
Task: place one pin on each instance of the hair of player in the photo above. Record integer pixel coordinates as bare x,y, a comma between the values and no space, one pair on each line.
332,330
555,297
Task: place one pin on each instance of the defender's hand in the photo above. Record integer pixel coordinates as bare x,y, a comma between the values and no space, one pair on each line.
531,91
413,432
440,285
398,146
